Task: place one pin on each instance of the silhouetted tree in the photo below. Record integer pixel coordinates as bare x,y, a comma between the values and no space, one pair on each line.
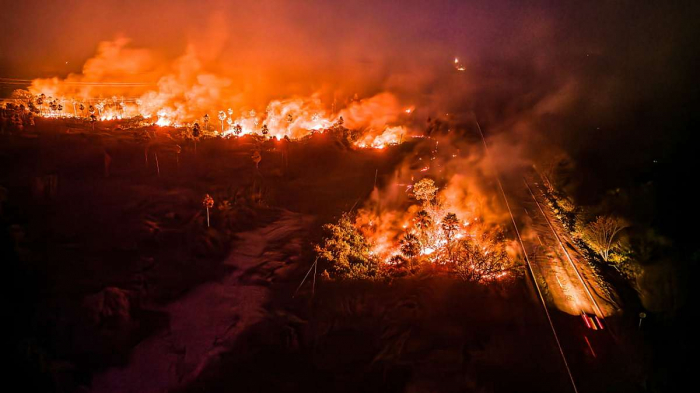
196,131
424,223
40,102
450,224
222,117
208,203
410,247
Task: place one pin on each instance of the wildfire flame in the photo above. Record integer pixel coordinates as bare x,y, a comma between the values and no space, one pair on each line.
184,91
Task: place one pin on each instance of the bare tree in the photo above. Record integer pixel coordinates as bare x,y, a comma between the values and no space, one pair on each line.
208,203
601,235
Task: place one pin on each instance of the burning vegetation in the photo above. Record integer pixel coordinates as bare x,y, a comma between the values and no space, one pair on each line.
431,239
125,83
292,119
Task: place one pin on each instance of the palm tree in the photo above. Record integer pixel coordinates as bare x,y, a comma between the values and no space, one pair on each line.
424,223
208,203
423,220
40,101
222,117
450,224
410,247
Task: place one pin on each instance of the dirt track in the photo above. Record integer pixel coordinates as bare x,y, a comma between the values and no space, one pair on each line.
205,322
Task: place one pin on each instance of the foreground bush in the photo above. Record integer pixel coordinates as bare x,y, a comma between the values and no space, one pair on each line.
348,252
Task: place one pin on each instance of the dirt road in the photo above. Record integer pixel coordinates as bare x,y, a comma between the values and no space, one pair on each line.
205,322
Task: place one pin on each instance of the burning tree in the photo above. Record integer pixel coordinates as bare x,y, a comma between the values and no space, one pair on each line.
433,238
40,102
410,248
450,226
22,97
348,251
484,260
425,190
196,131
